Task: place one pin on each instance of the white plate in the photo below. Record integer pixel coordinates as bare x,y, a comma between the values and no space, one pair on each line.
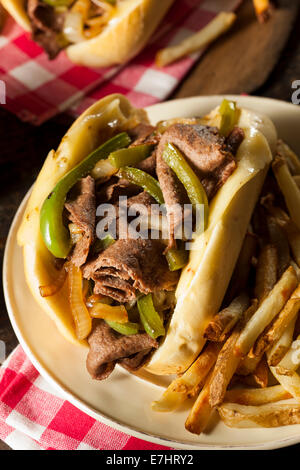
123,401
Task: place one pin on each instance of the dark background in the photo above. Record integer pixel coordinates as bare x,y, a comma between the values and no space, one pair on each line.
24,147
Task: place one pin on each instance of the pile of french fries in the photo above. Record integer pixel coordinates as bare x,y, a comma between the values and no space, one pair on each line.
248,369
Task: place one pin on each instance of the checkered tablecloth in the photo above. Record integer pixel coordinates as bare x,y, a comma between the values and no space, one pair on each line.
37,89
34,417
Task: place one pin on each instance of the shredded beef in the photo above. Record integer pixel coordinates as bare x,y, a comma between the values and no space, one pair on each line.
108,347
46,25
207,152
130,266
82,212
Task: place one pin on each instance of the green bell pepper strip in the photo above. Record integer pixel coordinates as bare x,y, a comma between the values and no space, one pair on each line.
149,317
229,116
130,156
128,328
176,259
195,191
55,235
102,244
141,178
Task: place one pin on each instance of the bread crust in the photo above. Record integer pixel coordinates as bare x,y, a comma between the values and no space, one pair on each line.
122,39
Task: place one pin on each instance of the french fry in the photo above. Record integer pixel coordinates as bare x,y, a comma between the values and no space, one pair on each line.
266,271
296,268
227,361
281,347
219,25
289,379
291,360
261,373
270,415
263,9
267,310
279,325
289,155
297,180
201,411
278,238
257,396
183,387
248,365
241,271
288,225
288,187
225,320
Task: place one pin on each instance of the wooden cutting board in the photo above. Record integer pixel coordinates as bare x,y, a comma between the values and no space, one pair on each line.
241,60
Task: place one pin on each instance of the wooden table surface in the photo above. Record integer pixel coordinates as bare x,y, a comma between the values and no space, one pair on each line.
23,148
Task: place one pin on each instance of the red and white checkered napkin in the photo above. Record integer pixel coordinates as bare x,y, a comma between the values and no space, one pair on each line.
37,89
34,417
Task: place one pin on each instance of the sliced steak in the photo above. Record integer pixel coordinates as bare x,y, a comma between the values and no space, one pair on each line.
207,152
108,347
142,134
82,212
114,188
149,164
234,139
47,24
130,266
136,361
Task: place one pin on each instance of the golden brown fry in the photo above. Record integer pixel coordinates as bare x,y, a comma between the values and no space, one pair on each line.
266,272
248,364
288,225
270,415
288,378
201,411
219,25
267,310
292,232
225,320
281,347
291,359
227,361
240,274
183,387
279,325
257,396
263,10
289,188
279,239
297,180
289,155
261,373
